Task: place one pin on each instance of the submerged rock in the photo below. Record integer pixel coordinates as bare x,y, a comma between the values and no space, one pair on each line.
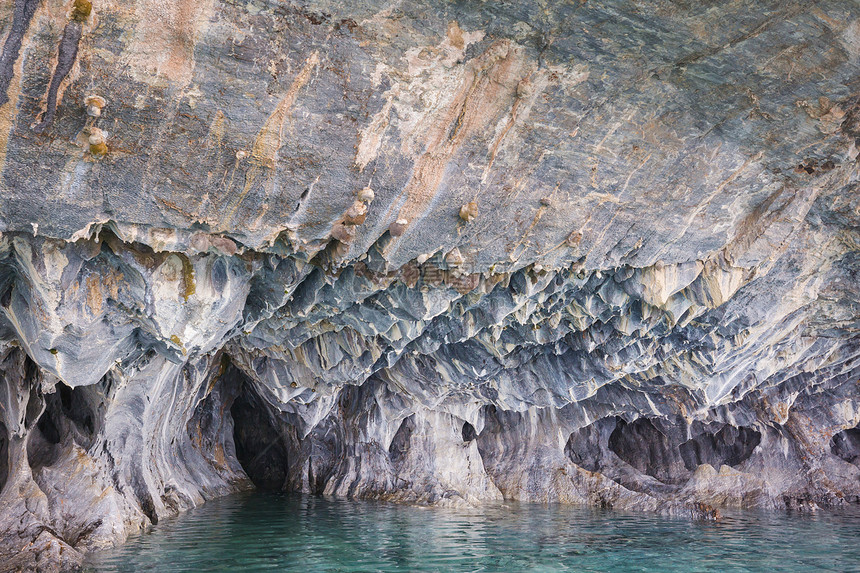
656,308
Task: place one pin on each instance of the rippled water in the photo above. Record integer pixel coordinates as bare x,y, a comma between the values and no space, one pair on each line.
273,532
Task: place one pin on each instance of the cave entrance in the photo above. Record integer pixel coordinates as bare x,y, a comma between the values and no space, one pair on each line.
658,448
846,445
730,446
469,433
67,412
648,449
260,437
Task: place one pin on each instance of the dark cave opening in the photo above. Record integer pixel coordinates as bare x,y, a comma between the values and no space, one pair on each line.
35,401
645,447
76,405
846,445
583,445
657,447
469,433
67,411
400,442
730,446
48,427
259,437
43,441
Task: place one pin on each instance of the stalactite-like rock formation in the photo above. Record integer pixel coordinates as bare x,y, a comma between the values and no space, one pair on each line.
439,253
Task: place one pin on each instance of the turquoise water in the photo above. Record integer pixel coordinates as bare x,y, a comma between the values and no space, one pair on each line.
275,532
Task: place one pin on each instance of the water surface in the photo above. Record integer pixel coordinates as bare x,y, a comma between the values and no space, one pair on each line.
279,532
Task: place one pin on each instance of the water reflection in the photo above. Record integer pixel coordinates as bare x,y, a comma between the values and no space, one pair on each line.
276,532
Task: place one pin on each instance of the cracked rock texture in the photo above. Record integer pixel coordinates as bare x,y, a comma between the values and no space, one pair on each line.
611,256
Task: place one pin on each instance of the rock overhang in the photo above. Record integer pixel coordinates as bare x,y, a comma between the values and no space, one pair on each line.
659,239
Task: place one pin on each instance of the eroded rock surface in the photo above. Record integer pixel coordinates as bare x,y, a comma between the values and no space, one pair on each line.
601,253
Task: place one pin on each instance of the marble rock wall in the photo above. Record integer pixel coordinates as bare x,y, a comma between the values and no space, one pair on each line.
431,252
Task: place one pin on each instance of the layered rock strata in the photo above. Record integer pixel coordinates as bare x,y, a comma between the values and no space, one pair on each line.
440,253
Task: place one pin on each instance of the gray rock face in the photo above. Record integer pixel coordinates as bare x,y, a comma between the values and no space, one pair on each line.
440,253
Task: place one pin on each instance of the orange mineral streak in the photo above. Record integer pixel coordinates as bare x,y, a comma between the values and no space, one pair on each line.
483,98
270,137
165,36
